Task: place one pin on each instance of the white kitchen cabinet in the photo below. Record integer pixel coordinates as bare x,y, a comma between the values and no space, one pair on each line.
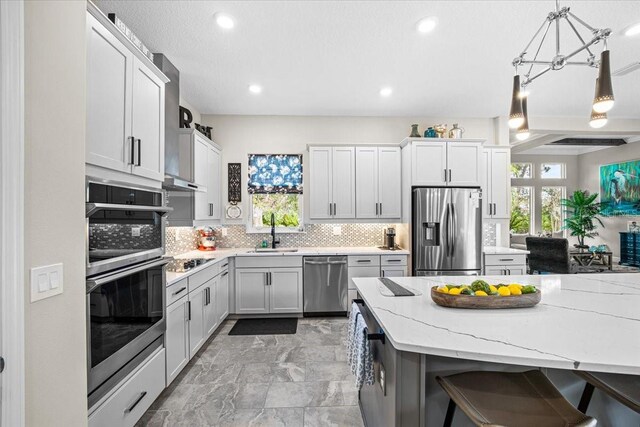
197,320
332,183
285,290
222,296
505,264
211,319
396,271
207,169
378,189
176,337
125,106
443,162
496,182
252,291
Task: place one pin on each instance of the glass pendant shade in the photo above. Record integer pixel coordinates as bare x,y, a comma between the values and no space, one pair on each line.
603,100
523,130
516,116
598,120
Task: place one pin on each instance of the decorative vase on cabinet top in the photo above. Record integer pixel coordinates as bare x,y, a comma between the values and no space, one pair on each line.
414,132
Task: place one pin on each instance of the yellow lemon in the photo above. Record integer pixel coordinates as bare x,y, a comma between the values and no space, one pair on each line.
493,289
515,290
443,289
454,291
481,293
504,291
517,285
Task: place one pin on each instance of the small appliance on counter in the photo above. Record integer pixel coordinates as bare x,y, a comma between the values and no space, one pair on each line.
390,239
206,239
185,264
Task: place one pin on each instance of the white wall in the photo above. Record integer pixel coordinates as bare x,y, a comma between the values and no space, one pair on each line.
589,179
241,135
55,356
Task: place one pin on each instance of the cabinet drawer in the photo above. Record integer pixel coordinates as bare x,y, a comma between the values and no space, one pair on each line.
363,260
201,277
223,265
268,261
504,259
176,291
362,271
130,401
393,260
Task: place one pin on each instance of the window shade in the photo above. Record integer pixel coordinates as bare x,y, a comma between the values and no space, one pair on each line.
275,173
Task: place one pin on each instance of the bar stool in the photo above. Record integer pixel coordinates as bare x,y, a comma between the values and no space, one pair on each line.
523,399
624,388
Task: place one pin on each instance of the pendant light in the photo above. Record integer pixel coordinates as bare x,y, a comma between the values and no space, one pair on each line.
516,116
598,120
603,100
523,130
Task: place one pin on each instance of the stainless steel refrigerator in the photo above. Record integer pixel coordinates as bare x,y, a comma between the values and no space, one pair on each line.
447,231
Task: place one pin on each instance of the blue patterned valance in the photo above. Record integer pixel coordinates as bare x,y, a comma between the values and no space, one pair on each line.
275,173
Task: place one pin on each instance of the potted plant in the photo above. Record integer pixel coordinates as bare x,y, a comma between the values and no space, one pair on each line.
582,216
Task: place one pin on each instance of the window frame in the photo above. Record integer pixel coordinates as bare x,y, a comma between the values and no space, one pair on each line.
531,206
531,168
252,229
563,195
563,171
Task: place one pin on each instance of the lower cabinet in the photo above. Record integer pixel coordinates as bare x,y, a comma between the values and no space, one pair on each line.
211,319
505,265
197,316
393,271
374,266
222,296
268,290
176,338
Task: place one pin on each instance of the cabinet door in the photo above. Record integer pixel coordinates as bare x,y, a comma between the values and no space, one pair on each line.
485,183
252,293
394,271
147,122
176,338
213,186
516,270
463,161
353,272
429,161
367,182
196,320
344,182
320,183
501,182
286,290
201,157
210,306
222,297
109,65
389,184
495,270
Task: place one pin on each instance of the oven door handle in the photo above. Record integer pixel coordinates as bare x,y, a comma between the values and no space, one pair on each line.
92,284
92,208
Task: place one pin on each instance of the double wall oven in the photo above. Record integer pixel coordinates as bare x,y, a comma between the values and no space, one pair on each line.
125,280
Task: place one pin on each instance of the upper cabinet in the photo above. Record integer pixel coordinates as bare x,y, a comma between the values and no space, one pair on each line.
443,162
125,104
496,181
332,183
378,188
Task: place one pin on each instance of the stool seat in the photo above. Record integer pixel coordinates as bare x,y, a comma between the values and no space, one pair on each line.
624,388
522,399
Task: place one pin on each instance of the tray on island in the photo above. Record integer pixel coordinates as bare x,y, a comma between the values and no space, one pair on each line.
485,302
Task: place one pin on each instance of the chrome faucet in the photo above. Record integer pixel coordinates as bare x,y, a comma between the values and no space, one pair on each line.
274,241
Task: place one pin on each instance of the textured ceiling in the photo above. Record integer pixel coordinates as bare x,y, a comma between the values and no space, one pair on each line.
332,57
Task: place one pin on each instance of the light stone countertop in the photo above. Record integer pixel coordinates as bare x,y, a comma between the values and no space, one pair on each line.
501,250
584,321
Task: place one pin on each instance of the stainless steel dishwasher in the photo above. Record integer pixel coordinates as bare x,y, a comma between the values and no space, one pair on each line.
325,285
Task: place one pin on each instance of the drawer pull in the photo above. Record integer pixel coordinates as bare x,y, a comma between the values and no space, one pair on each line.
394,260
506,259
179,291
364,260
130,408
224,266
224,274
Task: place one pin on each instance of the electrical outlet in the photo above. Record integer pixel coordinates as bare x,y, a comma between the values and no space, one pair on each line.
337,230
135,231
224,231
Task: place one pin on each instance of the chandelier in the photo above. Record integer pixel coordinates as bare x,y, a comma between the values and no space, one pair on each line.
536,67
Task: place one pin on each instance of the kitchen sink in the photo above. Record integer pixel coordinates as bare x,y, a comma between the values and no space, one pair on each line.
272,250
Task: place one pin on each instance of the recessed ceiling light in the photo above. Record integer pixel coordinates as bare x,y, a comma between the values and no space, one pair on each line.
426,25
386,91
632,30
255,89
224,21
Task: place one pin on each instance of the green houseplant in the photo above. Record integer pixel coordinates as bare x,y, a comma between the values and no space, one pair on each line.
582,216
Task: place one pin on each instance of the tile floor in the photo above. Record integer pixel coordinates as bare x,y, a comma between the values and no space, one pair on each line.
264,380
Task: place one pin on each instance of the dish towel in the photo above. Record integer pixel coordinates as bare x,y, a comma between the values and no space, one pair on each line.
359,352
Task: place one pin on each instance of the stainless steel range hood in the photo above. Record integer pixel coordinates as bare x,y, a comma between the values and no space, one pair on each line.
177,159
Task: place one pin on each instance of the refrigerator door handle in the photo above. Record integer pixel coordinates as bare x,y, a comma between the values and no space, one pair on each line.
448,228
454,229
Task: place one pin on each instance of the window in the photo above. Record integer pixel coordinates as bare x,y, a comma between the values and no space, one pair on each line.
521,207
275,188
552,209
552,171
521,170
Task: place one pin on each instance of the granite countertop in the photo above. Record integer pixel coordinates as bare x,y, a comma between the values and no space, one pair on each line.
501,250
223,253
584,321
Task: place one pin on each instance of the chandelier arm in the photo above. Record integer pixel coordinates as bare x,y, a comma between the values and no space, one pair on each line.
557,19
530,79
589,27
586,46
577,33
544,36
578,63
537,62
546,21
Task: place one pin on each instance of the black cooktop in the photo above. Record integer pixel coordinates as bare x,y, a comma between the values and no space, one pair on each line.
185,264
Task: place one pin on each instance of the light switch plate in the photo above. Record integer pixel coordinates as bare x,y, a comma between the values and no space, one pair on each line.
224,231
135,231
46,281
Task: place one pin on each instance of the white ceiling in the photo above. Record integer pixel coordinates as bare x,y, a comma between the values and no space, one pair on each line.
332,57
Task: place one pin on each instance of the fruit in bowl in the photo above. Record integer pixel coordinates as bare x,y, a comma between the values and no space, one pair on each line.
482,288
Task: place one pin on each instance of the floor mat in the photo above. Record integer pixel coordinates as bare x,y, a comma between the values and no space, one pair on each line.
265,326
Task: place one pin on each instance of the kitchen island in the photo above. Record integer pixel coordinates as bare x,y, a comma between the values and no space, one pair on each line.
583,322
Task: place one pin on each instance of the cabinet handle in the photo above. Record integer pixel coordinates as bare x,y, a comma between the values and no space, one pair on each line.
189,310
224,266
363,260
394,260
210,209
139,162
377,209
130,408
224,274
449,175
445,175
330,209
132,140
334,209
270,279
509,272
266,279
506,259
179,291
206,296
